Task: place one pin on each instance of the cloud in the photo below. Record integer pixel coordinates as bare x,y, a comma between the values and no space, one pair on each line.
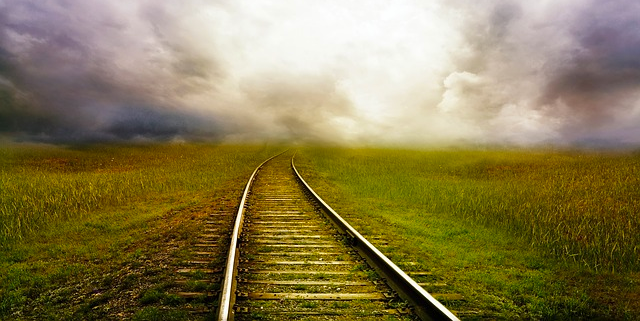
600,82
413,72
550,67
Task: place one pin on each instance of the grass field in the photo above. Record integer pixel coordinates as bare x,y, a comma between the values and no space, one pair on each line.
86,230
553,234
42,185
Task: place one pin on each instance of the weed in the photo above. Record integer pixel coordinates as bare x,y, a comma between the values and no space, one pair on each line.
340,305
309,304
137,255
358,267
300,287
196,286
151,296
11,300
173,299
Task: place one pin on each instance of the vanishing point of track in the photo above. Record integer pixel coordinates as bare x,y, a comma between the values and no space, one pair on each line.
291,257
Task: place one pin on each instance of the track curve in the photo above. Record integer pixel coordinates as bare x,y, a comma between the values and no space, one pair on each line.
293,257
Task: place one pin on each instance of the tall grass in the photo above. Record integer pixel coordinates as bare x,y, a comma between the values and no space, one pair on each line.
40,185
579,206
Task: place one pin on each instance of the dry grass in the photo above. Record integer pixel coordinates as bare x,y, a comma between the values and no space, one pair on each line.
41,185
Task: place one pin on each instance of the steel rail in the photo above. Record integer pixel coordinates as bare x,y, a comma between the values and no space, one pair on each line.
227,296
425,305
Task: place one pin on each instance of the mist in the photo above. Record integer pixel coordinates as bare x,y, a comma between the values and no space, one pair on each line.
404,72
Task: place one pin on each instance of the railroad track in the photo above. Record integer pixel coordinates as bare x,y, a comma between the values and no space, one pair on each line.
291,256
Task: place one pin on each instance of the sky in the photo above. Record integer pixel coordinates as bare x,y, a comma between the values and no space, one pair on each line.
388,72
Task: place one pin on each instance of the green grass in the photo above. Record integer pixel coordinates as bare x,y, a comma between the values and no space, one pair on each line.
80,225
41,185
580,206
520,234
551,234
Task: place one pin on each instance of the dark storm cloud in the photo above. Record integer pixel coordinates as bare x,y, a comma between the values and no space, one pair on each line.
76,66
602,80
16,113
